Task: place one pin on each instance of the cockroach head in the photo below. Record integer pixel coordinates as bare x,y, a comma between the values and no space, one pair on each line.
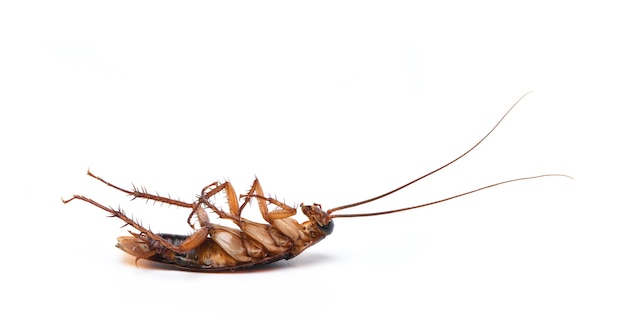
315,214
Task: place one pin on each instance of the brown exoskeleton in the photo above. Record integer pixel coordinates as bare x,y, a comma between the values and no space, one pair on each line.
214,247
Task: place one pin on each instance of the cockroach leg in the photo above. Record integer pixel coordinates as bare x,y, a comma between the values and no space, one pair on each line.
282,211
144,195
190,243
231,197
255,188
135,193
234,213
279,218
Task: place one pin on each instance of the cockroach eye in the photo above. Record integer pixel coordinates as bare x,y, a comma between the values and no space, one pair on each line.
328,229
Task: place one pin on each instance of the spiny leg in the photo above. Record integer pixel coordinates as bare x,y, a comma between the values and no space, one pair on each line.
143,194
256,191
235,211
275,237
231,198
190,243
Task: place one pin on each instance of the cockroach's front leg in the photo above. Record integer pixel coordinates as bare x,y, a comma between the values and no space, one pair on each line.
190,243
282,211
281,217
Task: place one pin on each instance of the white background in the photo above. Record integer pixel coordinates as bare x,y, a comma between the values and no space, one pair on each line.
328,102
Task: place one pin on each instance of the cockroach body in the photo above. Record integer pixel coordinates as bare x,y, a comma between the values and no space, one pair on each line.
214,247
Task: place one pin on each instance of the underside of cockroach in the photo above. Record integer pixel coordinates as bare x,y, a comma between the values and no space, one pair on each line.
208,256
214,247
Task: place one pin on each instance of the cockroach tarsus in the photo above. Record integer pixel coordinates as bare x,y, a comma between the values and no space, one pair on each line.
214,247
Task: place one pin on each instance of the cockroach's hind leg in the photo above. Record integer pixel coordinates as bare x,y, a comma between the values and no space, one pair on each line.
68,200
137,193
191,242
114,213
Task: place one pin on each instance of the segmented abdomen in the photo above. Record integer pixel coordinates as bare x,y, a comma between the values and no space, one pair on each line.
230,248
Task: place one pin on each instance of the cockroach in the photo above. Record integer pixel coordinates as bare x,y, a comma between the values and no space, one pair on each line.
214,247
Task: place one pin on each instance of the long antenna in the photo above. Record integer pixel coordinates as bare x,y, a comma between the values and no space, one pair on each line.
434,171
446,199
